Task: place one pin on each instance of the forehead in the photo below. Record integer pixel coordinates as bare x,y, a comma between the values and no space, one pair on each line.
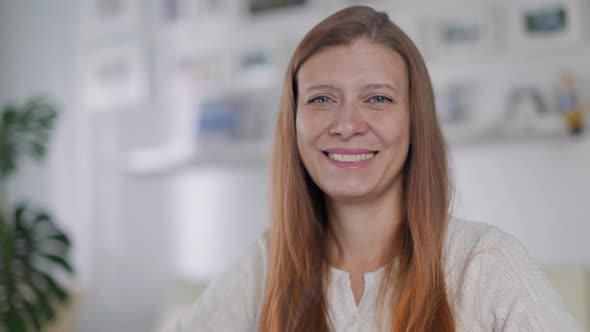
360,63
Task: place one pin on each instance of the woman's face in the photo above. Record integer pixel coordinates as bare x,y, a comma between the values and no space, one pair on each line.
353,119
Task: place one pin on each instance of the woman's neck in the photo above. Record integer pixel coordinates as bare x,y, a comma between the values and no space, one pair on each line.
361,234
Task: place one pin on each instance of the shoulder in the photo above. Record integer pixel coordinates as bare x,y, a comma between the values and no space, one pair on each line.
475,244
472,248
468,243
462,235
232,300
466,239
493,283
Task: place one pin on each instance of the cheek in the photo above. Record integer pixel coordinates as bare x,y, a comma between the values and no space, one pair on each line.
304,131
308,125
303,135
300,129
392,130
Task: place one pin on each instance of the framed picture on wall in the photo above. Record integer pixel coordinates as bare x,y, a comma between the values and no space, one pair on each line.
110,18
197,76
173,12
235,118
188,71
528,113
186,13
215,7
263,6
114,78
258,63
547,24
460,112
257,68
462,34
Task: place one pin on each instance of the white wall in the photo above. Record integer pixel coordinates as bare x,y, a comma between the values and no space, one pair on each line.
537,191
218,212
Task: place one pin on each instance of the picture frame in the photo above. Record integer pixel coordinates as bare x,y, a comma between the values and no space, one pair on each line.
528,113
469,33
259,7
235,118
471,111
459,111
216,8
258,64
173,12
240,113
257,68
188,75
102,19
535,24
114,78
185,16
187,72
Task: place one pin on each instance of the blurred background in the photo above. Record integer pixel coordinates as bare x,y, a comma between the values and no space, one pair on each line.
157,168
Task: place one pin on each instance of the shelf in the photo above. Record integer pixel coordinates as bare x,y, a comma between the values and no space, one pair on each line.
557,140
171,159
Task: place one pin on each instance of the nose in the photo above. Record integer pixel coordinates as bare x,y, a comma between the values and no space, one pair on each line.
348,122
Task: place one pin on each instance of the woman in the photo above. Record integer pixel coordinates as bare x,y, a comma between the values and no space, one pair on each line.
361,239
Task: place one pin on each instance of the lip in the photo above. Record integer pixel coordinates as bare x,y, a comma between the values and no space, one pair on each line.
357,165
348,151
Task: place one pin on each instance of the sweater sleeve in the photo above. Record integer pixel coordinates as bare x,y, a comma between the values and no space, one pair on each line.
509,291
231,301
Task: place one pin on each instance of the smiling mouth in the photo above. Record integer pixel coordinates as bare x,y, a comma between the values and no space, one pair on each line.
350,158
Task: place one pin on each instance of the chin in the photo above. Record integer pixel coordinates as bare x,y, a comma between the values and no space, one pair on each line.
348,192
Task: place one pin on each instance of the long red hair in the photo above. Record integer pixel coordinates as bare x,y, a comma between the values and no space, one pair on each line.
294,298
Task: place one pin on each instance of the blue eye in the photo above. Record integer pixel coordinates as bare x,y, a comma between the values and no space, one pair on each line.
320,100
380,100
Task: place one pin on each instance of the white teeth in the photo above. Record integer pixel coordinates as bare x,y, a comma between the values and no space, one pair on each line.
351,158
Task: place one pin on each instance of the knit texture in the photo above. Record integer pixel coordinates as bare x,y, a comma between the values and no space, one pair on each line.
492,285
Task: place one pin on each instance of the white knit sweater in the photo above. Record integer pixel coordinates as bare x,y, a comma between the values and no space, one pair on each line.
492,284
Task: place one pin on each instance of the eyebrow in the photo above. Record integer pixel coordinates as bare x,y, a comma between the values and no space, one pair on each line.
321,87
370,86
375,86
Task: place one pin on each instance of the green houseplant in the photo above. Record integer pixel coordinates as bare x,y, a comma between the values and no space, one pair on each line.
33,250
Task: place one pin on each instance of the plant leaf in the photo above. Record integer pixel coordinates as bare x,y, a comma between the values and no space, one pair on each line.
60,237
20,210
33,314
9,116
19,216
59,261
14,322
57,290
43,303
47,120
42,217
24,132
38,150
